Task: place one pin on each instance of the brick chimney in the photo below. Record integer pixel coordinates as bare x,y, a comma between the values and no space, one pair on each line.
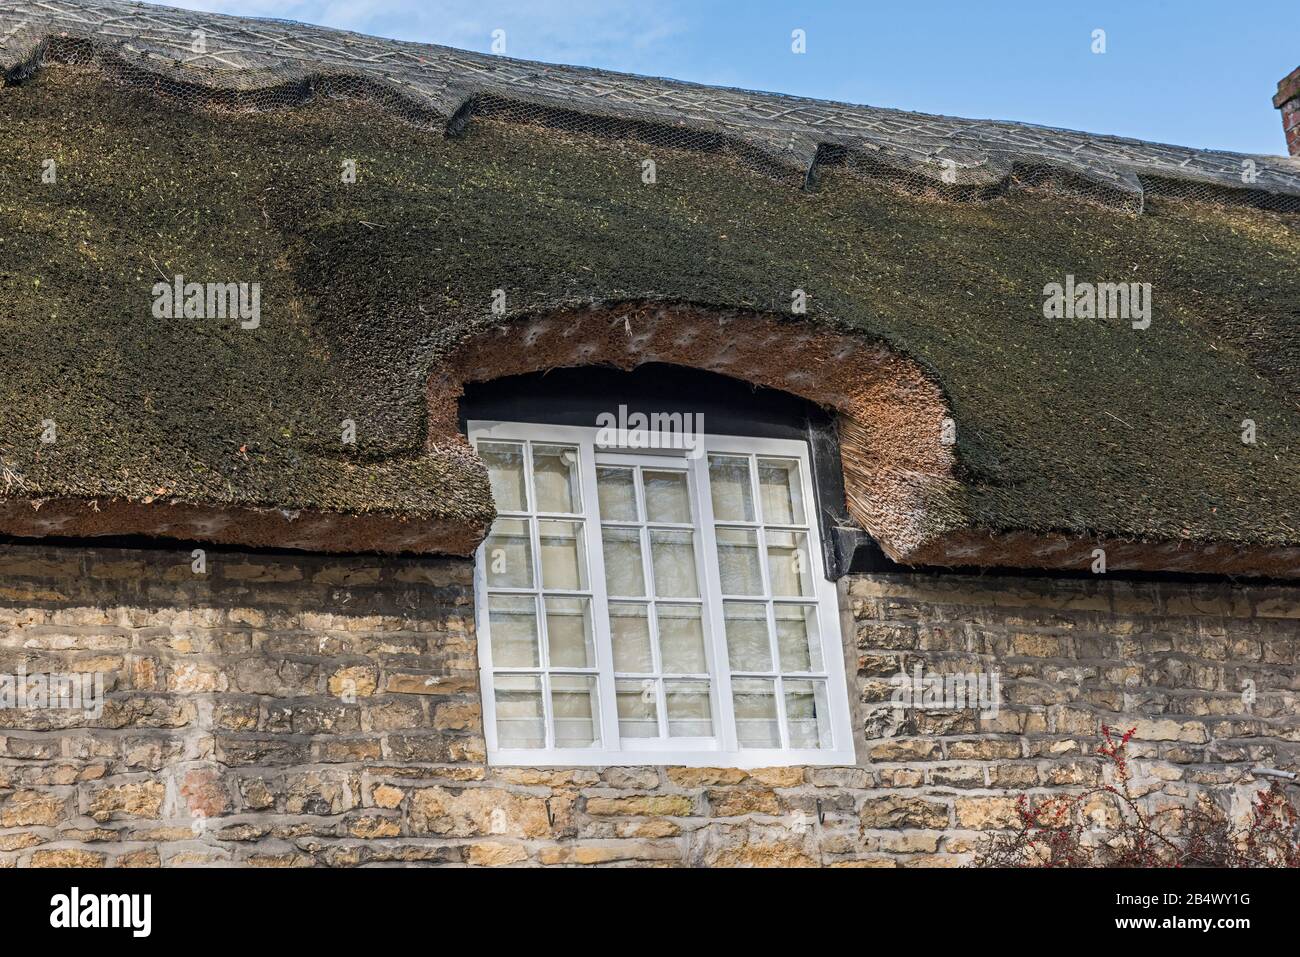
1288,101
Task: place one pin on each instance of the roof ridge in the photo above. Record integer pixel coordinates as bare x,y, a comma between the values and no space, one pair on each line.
790,133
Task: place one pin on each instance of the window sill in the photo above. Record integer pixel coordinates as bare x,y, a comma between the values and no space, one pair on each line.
741,760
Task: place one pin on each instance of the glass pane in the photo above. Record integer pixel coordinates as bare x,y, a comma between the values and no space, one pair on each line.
666,497
505,465
616,489
555,476
787,563
797,638
564,559
512,624
629,627
638,711
508,553
748,646
807,717
687,704
568,633
681,639
755,702
520,719
781,491
575,711
672,551
738,561
624,574
733,497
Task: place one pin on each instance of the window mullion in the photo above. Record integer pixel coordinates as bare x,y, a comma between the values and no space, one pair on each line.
760,532
539,597
599,598
778,689
769,605
547,716
699,533
725,707
652,603
539,593
652,626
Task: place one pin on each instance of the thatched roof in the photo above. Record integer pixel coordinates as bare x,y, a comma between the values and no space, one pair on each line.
1068,431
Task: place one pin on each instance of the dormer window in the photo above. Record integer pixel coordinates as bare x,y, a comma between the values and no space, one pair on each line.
640,603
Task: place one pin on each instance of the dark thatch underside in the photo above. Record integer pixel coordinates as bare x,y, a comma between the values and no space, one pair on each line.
1083,427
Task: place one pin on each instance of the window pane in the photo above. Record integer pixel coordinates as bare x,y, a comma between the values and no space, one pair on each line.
555,476
748,645
672,552
512,623
781,491
520,719
666,497
638,714
738,561
568,633
755,702
509,554
687,704
616,489
629,628
733,498
623,570
681,639
797,638
564,559
807,717
787,563
575,711
505,465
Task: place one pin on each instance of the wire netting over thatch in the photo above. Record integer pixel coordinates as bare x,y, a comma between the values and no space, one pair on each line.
202,59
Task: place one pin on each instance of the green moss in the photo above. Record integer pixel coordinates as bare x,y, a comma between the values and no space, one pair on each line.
1084,425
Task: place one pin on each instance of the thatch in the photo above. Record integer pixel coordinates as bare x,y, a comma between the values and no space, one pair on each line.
1083,427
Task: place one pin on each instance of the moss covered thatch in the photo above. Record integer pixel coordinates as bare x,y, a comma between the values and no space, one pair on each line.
1078,426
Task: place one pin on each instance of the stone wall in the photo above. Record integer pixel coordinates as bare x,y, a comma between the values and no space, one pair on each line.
295,710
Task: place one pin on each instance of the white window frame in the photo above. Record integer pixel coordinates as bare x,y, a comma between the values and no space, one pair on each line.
722,750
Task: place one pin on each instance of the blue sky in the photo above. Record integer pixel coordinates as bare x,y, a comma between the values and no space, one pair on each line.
1191,72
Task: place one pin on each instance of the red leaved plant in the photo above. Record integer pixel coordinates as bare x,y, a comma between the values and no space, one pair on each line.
1055,831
